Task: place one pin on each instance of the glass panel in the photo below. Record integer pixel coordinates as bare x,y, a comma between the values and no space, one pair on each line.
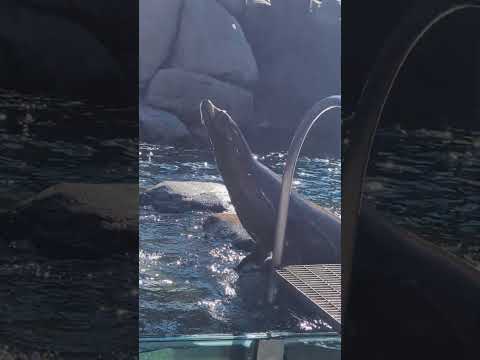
213,347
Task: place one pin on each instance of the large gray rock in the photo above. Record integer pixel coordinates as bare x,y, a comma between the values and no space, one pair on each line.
101,19
210,41
110,21
181,93
43,52
160,127
298,54
328,12
235,7
158,22
259,28
79,220
181,196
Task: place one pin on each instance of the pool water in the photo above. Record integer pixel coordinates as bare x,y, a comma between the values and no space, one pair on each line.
188,284
429,182
63,306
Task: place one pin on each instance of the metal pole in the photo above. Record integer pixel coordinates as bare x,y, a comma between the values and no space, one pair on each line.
301,133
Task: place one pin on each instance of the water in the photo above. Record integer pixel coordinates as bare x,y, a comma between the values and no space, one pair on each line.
45,140
429,181
63,305
424,180
188,284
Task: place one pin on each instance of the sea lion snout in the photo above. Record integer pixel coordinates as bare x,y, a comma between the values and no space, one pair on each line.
225,136
212,116
219,124
207,111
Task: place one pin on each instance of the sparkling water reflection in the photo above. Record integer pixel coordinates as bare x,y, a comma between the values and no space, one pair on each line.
66,306
428,181
187,279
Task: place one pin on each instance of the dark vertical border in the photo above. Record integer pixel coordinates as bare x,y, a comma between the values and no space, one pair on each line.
69,177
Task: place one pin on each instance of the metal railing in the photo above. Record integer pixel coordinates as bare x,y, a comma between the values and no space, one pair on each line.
318,110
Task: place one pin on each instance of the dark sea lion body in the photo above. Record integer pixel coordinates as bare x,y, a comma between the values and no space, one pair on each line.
313,233
427,298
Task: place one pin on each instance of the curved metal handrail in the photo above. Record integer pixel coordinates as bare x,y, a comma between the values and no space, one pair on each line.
318,110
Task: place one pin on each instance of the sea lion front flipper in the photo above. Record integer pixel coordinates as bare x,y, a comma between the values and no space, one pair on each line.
248,264
254,261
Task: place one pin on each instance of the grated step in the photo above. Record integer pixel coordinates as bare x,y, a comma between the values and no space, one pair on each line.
320,284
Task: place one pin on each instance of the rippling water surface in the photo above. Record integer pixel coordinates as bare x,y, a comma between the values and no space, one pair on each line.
188,283
44,141
61,305
424,180
429,182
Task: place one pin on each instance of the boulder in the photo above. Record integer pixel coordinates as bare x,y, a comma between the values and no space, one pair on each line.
181,196
158,22
160,127
327,12
48,53
259,28
79,220
228,225
299,59
110,21
181,92
235,7
211,42
101,19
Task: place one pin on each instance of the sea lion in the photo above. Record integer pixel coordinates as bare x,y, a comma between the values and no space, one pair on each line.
425,297
312,234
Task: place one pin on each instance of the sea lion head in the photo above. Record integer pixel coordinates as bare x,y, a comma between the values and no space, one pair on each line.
232,151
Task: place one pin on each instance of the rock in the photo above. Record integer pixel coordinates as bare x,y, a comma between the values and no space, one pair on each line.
211,42
180,196
181,93
235,7
288,90
102,19
328,12
48,53
259,28
160,127
228,225
79,220
298,57
158,22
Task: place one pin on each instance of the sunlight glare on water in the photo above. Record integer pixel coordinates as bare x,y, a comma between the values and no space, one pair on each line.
206,297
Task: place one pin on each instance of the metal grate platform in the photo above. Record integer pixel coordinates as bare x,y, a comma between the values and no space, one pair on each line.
320,285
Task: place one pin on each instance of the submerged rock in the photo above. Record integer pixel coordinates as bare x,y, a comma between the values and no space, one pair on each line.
78,220
228,225
181,196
